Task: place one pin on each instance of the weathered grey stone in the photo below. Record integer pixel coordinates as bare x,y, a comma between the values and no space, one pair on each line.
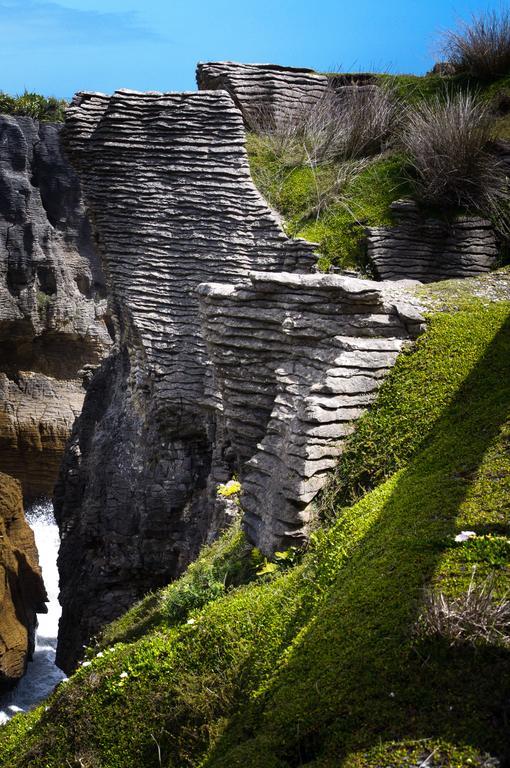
264,92
52,302
167,181
320,383
428,249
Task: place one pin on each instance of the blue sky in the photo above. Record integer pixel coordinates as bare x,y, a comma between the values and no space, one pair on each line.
58,48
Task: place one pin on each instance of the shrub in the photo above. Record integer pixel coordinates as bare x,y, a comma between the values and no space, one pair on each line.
447,140
482,48
345,124
49,110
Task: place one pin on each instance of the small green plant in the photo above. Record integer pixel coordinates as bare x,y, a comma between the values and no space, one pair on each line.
280,562
232,488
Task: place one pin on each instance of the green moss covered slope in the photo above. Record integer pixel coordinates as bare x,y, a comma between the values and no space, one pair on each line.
325,661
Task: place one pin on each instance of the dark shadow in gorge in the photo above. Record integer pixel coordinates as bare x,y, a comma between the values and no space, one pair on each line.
355,679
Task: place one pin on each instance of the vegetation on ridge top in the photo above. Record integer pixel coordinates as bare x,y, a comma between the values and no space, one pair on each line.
45,109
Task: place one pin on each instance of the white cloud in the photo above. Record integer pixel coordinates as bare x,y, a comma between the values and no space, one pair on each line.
32,24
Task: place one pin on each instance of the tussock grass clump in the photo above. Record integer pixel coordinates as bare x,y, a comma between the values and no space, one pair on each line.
474,616
345,124
447,141
480,49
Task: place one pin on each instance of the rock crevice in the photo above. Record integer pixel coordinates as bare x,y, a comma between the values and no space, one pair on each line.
52,302
168,187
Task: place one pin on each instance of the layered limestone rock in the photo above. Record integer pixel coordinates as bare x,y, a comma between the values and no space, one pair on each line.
22,593
265,92
297,359
52,302
167,181
429,249
262,91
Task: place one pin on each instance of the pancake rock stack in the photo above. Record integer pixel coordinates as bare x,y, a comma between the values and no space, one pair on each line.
22,592
297,359
267,93
167,181
428,249
52,307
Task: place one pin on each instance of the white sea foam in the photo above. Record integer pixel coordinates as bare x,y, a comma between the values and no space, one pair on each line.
42,674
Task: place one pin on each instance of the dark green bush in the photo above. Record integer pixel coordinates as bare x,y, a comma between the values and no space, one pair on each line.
46,109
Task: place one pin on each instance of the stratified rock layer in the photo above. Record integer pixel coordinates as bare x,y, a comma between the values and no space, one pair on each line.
268,93
428,249
52,307
167,181
263,91
297,359
22,593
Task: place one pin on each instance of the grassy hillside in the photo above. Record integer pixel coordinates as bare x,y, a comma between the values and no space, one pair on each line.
331,200
332,659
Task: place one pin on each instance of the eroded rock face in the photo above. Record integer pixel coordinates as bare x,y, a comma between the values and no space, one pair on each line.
428,249
262,91
297,359
22,592
167,181
52,302
267,93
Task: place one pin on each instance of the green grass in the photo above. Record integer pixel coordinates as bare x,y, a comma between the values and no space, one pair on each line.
42,108
336,220
315,206
320,665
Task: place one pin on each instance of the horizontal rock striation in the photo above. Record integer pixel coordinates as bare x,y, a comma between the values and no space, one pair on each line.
262,91
167,182
52,302
267,92
297,359
428,249
22,592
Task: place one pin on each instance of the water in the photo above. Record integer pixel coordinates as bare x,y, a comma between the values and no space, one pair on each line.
42,674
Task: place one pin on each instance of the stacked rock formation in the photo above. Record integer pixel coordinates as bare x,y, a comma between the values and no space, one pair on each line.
22,593
52,307
167,180
428,249
297,359
265,93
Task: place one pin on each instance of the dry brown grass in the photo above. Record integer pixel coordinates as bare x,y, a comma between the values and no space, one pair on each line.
476,616
447,140
481,48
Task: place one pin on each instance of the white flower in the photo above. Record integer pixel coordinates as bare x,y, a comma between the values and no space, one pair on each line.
124,674
191,621
99,655
86,664
465,535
